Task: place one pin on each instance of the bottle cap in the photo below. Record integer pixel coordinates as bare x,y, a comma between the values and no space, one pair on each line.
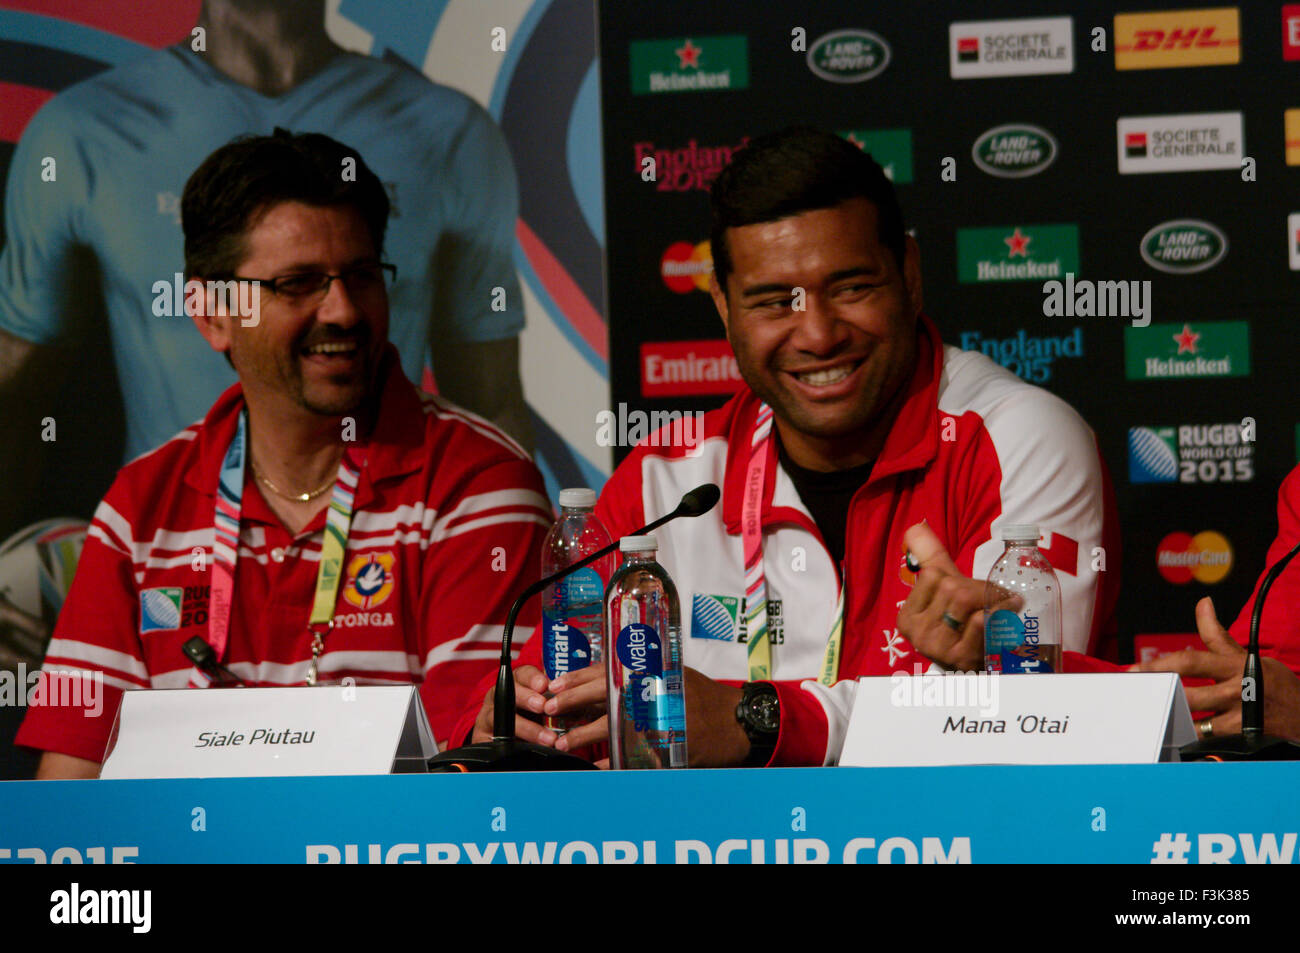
1020,532
637,544
578,498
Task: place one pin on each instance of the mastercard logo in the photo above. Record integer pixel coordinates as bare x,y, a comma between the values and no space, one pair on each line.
1205,557
686,267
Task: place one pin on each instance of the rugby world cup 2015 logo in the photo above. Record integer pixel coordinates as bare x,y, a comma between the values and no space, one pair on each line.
370,580
160,609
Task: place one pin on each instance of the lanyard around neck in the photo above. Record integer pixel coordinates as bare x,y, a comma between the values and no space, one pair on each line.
751,528
225,547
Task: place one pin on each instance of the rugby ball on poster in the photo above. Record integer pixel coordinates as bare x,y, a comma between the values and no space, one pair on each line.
37,564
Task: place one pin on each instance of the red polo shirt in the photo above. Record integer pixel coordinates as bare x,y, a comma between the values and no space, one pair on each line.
448,521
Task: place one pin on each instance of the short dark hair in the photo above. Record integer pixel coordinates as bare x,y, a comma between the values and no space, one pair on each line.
249,175
799,169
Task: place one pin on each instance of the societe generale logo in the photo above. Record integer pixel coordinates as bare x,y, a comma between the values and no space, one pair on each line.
1023,47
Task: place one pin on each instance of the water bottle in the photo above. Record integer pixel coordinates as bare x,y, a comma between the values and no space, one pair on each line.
1022,607
572,634
647,707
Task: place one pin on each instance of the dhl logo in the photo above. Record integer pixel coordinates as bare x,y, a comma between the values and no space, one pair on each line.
1176,39
1210,37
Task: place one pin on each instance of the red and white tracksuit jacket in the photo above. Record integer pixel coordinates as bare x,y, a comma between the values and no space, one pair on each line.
973,447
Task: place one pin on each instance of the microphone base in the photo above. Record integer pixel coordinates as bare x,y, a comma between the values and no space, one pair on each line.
507,754
1241,748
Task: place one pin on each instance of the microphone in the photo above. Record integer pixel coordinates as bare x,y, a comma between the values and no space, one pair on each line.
198,651
1252,744
505,752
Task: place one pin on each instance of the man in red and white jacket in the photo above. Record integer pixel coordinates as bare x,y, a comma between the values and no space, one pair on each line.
880,440
446,514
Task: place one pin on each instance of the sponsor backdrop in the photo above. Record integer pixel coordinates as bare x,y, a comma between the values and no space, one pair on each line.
1099,145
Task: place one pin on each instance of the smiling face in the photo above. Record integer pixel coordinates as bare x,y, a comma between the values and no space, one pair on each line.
832,371
320,353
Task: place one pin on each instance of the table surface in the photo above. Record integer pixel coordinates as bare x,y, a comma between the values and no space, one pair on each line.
1176,813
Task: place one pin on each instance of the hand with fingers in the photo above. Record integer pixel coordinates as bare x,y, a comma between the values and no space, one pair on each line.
1224,660
578,694
943,616
716,739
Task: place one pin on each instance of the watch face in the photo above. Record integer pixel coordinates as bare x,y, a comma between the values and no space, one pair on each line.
766,712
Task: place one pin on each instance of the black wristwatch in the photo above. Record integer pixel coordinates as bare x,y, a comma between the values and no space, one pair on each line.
759,713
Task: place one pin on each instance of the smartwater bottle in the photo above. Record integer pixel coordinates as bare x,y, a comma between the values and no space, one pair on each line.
1022,607
572,634
647,707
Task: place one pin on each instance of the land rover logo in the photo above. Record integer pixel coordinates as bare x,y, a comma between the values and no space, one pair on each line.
1014,151
848,56
1183,246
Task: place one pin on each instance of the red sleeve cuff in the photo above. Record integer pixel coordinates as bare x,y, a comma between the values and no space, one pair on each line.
804,732
65,729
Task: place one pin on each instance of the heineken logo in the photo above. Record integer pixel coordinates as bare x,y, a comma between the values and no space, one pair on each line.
1183,246
1014,151
689,64
1183,351
892,148
1017,253
848,56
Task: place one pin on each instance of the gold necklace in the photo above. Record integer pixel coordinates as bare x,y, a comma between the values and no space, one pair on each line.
295,497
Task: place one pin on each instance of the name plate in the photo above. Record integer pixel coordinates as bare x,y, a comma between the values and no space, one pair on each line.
269,732
931,720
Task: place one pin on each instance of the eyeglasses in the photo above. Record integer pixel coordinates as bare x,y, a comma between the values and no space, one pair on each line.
303,286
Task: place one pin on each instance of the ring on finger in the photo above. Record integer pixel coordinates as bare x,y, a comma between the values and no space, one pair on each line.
955,624
1206,728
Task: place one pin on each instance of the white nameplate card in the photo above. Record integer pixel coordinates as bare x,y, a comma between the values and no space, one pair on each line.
269,732
925,720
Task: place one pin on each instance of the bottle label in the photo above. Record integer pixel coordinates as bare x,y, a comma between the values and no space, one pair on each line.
580,588
640,649
654,701
1013,642
564,647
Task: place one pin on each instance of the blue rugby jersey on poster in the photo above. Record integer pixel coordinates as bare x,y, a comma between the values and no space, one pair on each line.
124,143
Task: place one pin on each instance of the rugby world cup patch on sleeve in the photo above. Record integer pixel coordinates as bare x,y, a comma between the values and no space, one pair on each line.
160,609
715,617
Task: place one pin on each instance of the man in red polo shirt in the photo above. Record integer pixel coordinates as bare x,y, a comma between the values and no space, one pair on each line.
859,436
323,457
